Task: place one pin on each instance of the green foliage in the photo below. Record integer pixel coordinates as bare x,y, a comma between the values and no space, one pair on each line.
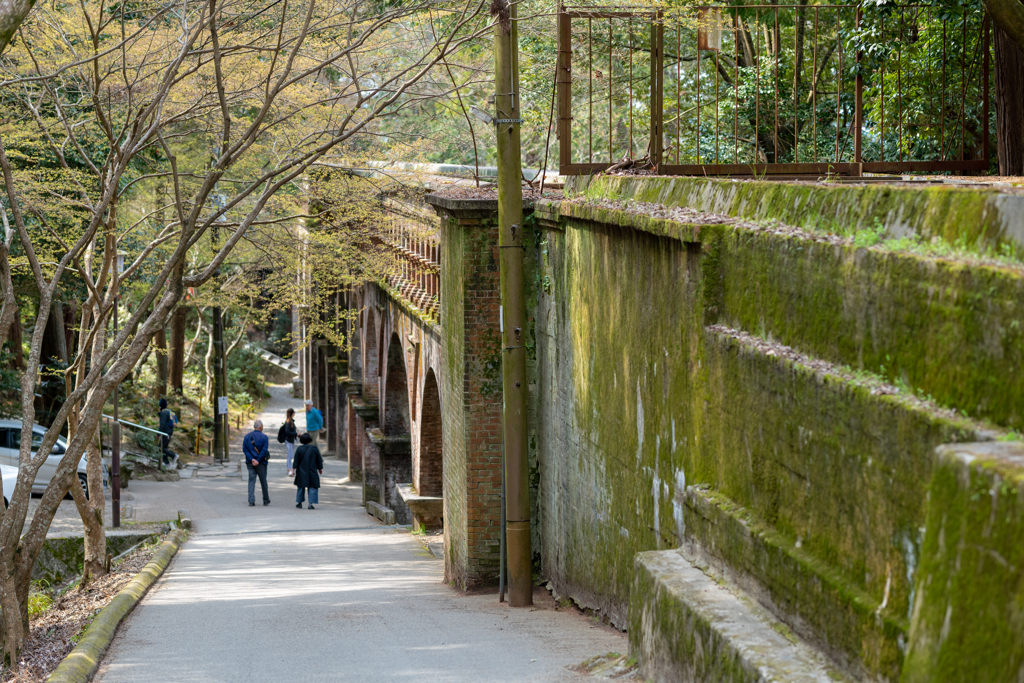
869,237
10,385
38,601
244,377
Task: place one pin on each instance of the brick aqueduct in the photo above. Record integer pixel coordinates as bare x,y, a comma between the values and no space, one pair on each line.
821,436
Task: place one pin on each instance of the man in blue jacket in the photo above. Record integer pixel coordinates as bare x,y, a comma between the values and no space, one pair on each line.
256,449
314,421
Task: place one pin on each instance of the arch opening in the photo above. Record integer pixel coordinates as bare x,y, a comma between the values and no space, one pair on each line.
430,475
370,370
396,391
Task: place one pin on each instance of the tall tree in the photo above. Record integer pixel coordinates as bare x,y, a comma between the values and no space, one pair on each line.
1008,16
230,103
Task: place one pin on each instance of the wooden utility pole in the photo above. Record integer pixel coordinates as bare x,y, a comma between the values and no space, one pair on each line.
513,338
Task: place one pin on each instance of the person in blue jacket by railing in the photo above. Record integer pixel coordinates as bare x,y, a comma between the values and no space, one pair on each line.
314,421
256,449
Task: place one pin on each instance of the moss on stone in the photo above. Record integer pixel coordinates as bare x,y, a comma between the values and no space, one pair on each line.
980,217
968,619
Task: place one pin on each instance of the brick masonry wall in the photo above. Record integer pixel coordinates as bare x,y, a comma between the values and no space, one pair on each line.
471,412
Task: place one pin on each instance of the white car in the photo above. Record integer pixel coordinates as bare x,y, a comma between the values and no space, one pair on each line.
10,475
10,443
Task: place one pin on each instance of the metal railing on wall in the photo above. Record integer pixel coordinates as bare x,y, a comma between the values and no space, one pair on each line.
774,89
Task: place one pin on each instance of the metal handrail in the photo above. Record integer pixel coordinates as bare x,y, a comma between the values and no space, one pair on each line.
138,426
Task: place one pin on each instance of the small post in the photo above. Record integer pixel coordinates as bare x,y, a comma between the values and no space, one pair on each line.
218,387
115,475
115,452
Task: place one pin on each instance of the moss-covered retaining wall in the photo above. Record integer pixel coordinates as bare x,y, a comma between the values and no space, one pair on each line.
968,617
985,217
62,557
659,367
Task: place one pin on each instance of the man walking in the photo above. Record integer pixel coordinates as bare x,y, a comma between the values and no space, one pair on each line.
314,421
256,448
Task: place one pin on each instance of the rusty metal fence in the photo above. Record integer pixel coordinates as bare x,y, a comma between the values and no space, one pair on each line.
774,89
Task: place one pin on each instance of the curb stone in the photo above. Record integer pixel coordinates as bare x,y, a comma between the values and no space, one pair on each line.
80,665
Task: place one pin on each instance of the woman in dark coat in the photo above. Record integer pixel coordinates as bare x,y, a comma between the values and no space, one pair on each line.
308,465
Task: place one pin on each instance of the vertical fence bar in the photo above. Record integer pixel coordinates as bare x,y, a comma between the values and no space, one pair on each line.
698,90
590,90
679,79
716,106
775,87
984,95
629,102
564,87
657,93
757,85
736,90
796,95
858,98
611,81
814,90
899,86
942,105
881,101
963,85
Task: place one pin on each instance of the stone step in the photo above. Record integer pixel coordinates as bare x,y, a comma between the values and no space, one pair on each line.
811,597
685,626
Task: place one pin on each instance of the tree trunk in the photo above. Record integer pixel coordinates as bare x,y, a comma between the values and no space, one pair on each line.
69,330
1009,65
52,360
14,634
12,13
208,367
14,340
91,510
160,342
176,359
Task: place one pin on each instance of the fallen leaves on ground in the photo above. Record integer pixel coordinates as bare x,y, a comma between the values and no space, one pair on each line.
55,632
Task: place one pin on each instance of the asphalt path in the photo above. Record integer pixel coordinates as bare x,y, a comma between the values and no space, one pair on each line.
277,593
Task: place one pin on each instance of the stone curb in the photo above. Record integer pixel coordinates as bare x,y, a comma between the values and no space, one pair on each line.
80,665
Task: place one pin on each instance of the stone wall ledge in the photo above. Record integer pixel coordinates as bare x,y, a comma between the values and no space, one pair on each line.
982,216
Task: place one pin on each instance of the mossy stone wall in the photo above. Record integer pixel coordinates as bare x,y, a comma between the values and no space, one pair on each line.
968,615
950,330
619,367
643,392
980,216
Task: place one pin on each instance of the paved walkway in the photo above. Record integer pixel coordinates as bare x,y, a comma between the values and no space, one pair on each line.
280,594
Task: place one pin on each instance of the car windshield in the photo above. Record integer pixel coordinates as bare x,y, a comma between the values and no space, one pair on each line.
37,439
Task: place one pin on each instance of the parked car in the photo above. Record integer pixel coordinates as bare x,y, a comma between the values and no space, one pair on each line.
10,475
10,443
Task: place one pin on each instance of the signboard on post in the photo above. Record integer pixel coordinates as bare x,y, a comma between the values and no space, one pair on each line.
222,405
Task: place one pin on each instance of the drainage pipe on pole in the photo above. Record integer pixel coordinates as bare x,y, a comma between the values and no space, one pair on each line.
513,305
